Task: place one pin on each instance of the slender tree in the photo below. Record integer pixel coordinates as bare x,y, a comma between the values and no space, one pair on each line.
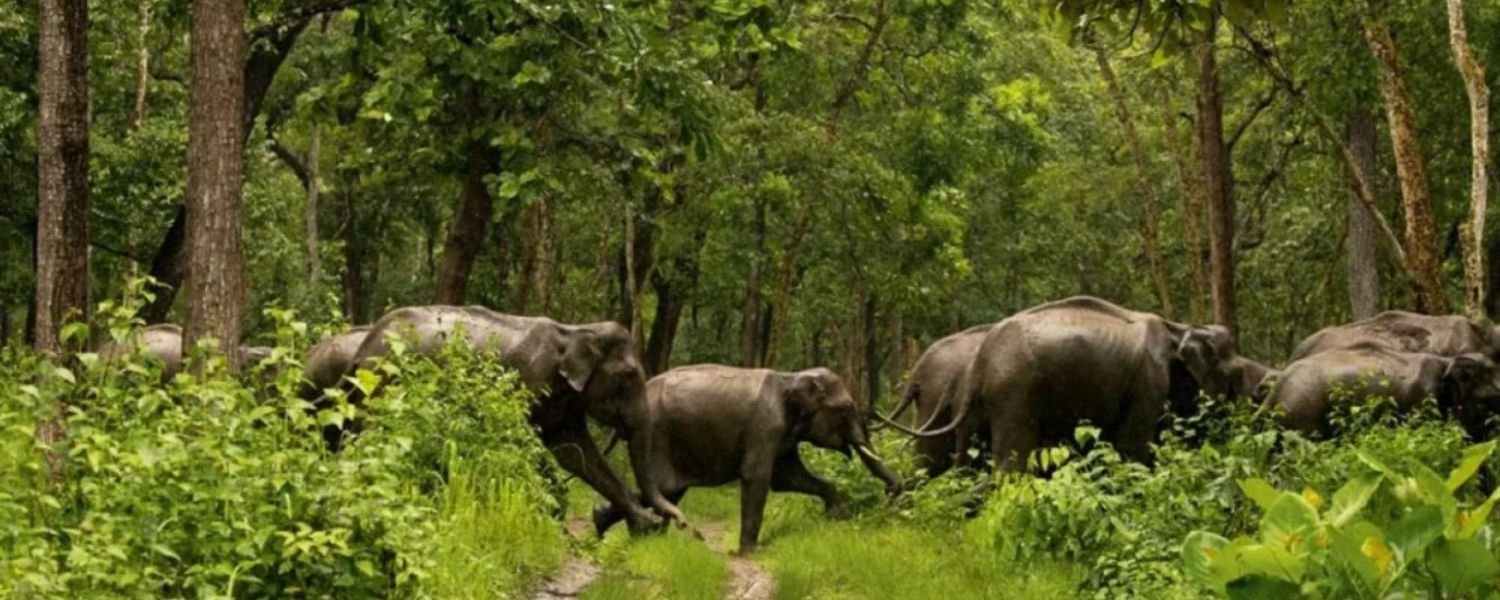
1479,126
1213,162
213,281
62,225
1364,272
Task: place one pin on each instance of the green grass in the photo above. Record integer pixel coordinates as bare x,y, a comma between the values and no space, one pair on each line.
491,544
675,565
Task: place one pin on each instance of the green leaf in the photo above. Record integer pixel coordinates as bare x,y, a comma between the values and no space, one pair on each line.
1288,522
1350,499
1199,551
1261,492
1469,522
1348,547
1270,560
1461,565
1473,458
1435,492
1261,587
1417,530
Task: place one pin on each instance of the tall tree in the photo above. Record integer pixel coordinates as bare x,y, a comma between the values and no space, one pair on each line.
1420,234
1364,271
1150,222
1191,190
467,230
314,156
213,280
62,217
1479,140
1218,182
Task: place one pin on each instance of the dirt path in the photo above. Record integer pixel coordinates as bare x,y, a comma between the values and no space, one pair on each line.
747,580
575,574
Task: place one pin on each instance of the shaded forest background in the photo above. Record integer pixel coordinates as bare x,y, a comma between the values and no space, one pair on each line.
765,182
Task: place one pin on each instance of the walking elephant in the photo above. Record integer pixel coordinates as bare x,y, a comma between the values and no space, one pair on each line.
1040,373
1465,387
330,359
932,387
576,371
710,425
163,342
1449,335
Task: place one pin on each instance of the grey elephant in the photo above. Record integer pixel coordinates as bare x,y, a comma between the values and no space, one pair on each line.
1448,335
576,371
163,341
710,425
330,359
1040,373
1464,386
931,388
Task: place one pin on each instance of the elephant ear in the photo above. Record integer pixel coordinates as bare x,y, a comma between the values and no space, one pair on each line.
1459,379
802,396
1197,354
580,357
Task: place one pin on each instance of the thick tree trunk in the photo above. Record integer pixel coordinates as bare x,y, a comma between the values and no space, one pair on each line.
142,63
467,229
1420,234
213,281
672,294
62,204
642,251
1150,221
782,307
314,155
1364,269
1479,126
751,311
1192,207
1213,160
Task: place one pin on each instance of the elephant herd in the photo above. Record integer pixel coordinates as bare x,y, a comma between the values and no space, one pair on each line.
1008,388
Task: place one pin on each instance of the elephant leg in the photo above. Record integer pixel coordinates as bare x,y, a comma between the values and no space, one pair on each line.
791,475
607,514
576,452
753,493
1137,431
1013,437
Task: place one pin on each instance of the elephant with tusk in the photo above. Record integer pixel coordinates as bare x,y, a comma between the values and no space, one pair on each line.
710,425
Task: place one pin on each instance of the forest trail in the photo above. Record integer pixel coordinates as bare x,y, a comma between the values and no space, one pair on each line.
576,573
747,580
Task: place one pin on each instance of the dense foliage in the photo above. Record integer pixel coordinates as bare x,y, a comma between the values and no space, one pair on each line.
217,487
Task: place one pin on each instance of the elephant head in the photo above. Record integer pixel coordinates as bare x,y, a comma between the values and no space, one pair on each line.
600,363
1470,392
1205,359
821,411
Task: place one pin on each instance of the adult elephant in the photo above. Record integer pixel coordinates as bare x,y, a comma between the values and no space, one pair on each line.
1445,335
1464,386
932,388
709,425
330,359
1040,373
576,371
163,342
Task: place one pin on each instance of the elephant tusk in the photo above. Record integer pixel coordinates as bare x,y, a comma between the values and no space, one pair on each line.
866,452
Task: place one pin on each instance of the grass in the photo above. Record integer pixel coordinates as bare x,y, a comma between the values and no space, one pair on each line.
492,545
674,565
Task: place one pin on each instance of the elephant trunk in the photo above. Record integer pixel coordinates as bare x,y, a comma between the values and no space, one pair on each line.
872,461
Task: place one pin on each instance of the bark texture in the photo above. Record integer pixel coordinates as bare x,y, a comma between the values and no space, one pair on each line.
214,281
1213,162
314,155
62,227
142,63
1472,232
1192,207
1150,219
782,307
1364,271
1420,234
750,313
466,230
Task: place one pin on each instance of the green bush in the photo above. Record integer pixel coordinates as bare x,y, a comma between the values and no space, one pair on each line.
214,486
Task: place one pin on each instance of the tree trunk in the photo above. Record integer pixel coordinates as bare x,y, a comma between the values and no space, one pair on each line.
750,312
1213,160
1420,237
314,262
353,277
782,307
142,63
213,281
672,294
1150,222
1364,269
642,251
872,358
1192,207
1479,127
632,282
466,230
62,203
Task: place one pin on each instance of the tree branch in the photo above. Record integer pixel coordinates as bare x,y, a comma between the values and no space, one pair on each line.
1260,106
294,16
290,159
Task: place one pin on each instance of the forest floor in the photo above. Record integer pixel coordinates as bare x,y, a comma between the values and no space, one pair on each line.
804,554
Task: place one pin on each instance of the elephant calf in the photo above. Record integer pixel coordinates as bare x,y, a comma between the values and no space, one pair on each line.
711,425
164,342
330,359
1464,386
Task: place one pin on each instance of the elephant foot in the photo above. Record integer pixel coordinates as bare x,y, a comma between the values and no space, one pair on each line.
643,522
604,517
